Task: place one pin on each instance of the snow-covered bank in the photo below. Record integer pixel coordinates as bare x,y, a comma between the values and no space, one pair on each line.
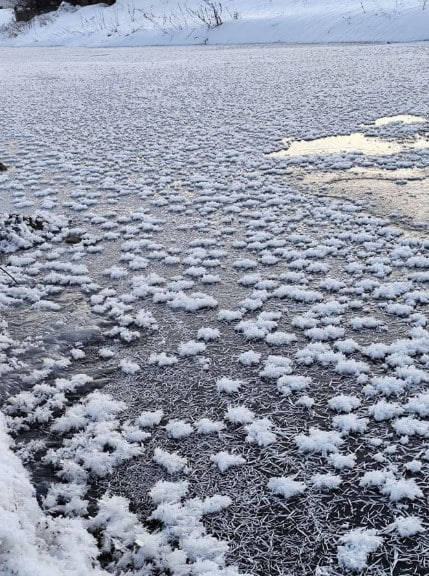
32,543
6,16
178,22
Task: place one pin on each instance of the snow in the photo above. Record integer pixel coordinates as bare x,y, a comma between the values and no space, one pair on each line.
320,441
408,526
228,385
178,429
207,426
164,491
150,419
341,461
356,546
191,348
244,22
208,334
287,384
260,431
33,543
400,489
249,358
129,367
287,487
172,462
225,460
326,481
239,415
344,403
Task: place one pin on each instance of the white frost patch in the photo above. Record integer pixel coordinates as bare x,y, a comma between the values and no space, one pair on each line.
239,415
225,460
276,366
193,302
172,462
128,366
408,426
208,334
150,419
396,489
287,384
324,334
249,358
320,441
191,348
179,429
260,431
115,272
287,487
341,461
344,403
326,481
356,546
384,410
349,423
407,526
306,401
389,385
207,426
77,354
106,353
229,315
144,319
164,491
228,385
162,359
279,338
419,404
102,443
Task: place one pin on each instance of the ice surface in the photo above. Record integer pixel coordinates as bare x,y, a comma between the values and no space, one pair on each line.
170,423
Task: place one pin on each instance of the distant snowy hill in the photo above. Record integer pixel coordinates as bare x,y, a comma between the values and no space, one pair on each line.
167,22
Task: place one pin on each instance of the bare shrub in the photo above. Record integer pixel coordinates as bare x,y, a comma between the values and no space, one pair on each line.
209,13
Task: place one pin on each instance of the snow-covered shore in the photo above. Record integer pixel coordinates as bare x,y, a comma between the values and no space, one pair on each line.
31,542
178,22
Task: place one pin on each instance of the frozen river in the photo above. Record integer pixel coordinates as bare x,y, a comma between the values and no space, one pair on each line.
229,339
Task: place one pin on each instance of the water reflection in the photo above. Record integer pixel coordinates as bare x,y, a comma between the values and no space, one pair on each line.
404,118
357,142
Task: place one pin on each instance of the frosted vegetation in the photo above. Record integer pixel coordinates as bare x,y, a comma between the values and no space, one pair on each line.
204,371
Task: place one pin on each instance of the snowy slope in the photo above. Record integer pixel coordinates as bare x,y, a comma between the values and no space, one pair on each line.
6,16
32,543
164,22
